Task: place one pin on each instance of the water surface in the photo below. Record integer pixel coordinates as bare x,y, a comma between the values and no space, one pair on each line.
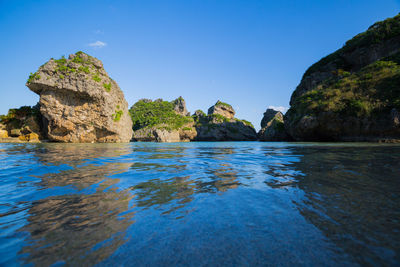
200,204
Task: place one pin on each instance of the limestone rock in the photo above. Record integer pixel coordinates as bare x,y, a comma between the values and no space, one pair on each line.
3,134
273,128
79,102
222,109
160,134
180,106
15,132
31,137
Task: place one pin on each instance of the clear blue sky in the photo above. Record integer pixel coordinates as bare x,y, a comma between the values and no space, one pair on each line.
251,54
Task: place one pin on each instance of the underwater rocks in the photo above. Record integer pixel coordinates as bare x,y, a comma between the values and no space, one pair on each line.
79,102
352,94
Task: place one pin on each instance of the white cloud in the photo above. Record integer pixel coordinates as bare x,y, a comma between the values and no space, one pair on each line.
97,44
279,108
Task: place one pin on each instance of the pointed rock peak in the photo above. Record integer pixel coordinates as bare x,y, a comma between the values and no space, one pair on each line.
270,114
180,106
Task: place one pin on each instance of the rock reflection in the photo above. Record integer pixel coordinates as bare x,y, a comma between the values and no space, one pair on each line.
158,192
220,179
78,228
354,201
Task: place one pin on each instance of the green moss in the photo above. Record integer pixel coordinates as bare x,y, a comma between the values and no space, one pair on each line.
145,113
117,115
219,118
33,76
96,78
246,122
219,103
372,90
377,33
84,69
107,86
61,76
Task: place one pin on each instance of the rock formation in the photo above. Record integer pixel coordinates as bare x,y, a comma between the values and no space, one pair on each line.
79,102
220,125
354,93
162,121
180,106
222,109
21,125
272,127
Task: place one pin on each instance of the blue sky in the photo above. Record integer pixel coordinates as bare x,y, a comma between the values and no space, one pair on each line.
251,54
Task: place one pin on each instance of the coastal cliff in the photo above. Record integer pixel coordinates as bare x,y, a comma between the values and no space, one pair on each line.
79,102
352,94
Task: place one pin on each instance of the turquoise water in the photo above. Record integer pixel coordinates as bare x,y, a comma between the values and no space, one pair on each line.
200,204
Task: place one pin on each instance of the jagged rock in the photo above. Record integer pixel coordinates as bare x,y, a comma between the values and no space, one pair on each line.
217,127
80,102
272,127
222,109
180,106
3,134
352,94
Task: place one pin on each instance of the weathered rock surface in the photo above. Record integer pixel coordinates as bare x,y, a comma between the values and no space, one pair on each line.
222,109
21,122
272,127
180,106
354,93
165,135
216,126
79,102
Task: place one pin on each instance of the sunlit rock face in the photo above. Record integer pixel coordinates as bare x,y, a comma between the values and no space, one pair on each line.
79,102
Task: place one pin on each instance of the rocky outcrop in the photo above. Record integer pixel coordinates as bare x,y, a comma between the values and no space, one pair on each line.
216,126
22,124
272,127
79,102
162,121
180,106
222,109
352,94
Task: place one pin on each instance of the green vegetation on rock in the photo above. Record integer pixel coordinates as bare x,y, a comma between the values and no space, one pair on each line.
372,90
33,76
117,115
219,103
159,113
107,86
96,78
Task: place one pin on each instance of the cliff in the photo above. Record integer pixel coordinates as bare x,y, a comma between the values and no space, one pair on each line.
352,94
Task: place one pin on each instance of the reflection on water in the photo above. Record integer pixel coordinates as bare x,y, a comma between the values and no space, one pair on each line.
234,203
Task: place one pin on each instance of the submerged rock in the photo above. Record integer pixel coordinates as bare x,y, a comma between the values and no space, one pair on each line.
272,127
79,102
352,94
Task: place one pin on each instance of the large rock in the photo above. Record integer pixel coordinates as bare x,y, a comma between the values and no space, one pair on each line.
180,106
3,134
272,127
220,125
222,109
162,121
352,94
80,102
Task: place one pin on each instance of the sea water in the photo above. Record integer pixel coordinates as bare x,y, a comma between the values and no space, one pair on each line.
200,204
